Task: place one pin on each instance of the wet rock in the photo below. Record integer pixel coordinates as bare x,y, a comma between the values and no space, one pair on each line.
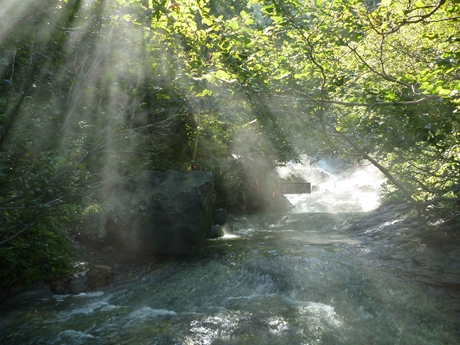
60,287
79,285
222,217
99,276
74,284
216,231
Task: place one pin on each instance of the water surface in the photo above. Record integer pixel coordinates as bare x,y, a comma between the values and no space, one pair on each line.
282,279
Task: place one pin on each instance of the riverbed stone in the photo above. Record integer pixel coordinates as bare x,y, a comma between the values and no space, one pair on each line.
99,276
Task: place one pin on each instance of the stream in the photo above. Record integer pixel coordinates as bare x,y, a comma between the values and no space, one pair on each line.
279,279
331,271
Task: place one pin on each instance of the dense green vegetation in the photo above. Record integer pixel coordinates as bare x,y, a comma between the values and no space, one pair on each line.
92,91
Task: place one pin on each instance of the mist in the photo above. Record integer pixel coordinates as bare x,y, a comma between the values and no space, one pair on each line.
336,186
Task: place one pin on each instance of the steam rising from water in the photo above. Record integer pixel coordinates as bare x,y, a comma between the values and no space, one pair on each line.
337,187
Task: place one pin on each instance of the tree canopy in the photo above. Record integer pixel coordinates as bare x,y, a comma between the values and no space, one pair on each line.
92,91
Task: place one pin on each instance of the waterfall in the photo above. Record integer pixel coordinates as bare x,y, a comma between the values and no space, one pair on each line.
336,186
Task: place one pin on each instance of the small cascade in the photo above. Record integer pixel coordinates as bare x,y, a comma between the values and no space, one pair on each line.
336,186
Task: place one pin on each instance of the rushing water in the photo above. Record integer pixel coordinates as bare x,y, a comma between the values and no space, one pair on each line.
281,279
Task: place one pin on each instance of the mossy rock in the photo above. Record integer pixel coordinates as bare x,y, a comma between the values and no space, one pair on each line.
99,276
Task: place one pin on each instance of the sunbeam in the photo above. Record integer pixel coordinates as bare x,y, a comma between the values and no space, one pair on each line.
149,151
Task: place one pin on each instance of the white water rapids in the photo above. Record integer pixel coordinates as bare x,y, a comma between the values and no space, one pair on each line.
337,187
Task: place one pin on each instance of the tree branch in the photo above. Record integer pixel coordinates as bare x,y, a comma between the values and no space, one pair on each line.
355,104
16,234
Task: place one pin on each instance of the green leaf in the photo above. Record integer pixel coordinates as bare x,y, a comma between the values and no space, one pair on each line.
249,21
233,24
205,92
207,21
222,75
444,92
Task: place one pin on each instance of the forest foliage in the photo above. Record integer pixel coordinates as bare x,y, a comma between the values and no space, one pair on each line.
93,91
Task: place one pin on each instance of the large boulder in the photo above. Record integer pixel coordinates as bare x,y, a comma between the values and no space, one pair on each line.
161,213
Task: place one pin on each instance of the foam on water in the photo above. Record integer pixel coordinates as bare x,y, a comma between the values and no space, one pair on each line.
71,336
90,308
320,312
60,298
90,294
147,313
